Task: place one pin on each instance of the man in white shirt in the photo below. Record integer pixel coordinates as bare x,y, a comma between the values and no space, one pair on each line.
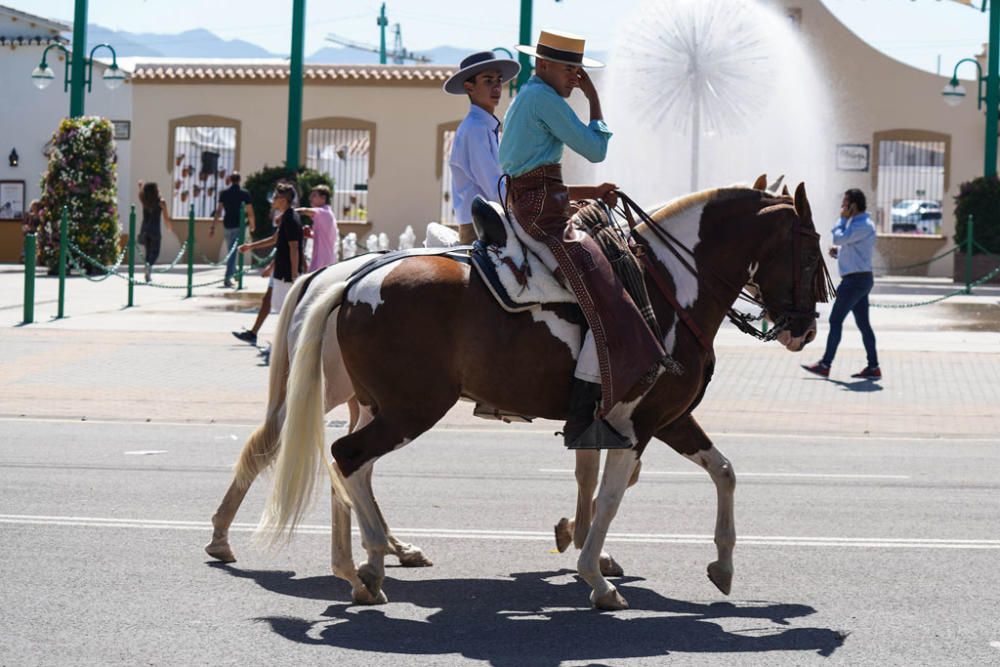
475,155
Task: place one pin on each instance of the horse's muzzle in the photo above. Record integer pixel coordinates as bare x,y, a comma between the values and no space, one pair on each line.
795,343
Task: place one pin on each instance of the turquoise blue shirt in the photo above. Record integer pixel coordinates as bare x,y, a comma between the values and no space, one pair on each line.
537,125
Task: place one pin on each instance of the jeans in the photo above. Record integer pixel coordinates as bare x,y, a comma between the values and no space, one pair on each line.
852,297
230,235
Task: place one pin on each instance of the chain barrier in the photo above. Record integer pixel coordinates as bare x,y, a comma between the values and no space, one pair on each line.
141,251
892,269
232,249
958,292
135,281
75,250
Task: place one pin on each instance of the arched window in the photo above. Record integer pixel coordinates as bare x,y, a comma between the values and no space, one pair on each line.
202,152
344,149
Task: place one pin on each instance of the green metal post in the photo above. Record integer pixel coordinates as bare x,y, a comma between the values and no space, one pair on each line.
240,240
78,72
525,40
63,241
969,243
295,85
29,278
190,242
131,255
382,22
992,91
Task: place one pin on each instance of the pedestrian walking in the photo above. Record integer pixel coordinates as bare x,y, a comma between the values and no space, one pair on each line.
475,151
154,209
853,246
289,262
232,201
325,239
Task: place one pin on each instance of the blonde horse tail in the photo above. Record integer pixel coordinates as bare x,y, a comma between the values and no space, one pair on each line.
302,435
263,443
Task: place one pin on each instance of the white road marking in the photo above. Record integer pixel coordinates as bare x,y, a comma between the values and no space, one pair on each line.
701,473
521,535
145,452
762,436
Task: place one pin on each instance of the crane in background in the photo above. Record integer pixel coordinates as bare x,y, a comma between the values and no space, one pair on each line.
399,54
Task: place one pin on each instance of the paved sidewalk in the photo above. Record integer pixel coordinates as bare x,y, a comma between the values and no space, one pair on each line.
173,359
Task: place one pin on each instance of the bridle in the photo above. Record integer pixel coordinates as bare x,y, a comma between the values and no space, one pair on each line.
743,321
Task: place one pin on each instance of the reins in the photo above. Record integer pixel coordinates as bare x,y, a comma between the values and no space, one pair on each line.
743,321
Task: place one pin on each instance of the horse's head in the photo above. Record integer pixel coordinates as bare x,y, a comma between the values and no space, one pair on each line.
791,276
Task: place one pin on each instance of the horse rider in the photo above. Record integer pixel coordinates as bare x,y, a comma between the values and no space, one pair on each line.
619,352
475,162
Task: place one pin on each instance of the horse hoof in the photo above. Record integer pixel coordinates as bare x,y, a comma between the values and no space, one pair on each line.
610,601
220,550
411,556
372,582
564,534
364,596
721,577
610,567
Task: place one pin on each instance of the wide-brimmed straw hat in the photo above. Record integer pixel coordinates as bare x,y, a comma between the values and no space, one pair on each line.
561,47
476,63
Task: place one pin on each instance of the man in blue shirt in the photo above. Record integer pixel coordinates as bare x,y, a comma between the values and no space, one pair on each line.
854,243
231,201
619,352
474,162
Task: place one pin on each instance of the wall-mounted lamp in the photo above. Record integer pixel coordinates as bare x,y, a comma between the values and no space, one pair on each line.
13,158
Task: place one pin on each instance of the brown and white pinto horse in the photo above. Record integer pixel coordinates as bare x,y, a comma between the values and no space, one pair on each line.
452,326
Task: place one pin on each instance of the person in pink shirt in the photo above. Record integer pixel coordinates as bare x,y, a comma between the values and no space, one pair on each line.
325,239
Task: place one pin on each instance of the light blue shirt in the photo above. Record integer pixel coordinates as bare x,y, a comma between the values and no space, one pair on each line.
855,238
474,162
539,123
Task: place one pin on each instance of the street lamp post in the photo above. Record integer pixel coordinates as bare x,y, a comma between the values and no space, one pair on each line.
524,39
954,91
295,85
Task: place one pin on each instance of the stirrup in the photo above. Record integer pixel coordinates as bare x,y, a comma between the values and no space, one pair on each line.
600,435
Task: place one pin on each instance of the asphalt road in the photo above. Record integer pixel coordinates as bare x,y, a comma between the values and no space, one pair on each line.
851,551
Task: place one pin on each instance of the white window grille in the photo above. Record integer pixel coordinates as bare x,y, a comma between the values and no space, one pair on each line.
344,155
203,158
911,185
447,205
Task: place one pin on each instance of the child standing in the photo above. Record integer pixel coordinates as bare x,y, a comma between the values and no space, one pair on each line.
324,228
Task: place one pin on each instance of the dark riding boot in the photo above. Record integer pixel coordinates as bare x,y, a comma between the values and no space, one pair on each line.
582,430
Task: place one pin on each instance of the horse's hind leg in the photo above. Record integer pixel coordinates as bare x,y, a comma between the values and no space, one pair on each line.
687,438
409,555
257,453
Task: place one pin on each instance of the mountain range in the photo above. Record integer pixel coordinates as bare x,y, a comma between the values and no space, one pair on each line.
205,44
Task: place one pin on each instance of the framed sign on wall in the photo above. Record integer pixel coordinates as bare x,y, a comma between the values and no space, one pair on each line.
853,157
11,200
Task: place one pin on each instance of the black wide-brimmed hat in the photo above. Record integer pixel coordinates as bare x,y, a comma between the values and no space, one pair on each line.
476,63
561,47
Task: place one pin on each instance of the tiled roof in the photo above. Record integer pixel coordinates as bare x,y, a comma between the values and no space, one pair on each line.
28,41
277,72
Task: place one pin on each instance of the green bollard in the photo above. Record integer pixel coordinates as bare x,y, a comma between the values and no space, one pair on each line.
63,241
968,256
763,326
190,242
131,256
29,278
240,241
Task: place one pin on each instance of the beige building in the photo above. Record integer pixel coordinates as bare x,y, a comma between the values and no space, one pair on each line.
383,132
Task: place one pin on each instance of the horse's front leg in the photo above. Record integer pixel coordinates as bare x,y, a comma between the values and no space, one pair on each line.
687,438
575,530
618,468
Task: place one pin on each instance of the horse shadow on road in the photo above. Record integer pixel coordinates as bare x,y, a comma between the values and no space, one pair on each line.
533,618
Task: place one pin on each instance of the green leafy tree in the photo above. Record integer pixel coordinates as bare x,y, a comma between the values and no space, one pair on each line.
979,198
261,184
82,176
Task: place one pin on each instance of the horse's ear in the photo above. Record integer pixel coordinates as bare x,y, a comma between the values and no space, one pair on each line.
773,187
802,204
785,192
760,183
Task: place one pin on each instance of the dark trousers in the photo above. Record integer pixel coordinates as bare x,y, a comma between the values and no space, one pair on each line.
152,247
852,297
626,349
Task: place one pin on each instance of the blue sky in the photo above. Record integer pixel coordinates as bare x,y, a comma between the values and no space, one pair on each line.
914,31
